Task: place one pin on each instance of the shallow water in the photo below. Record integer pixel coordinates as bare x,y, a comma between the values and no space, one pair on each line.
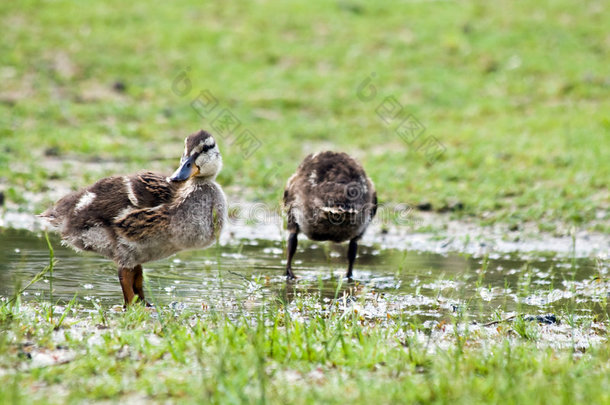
241,275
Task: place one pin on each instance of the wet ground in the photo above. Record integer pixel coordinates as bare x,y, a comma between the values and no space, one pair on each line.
240,274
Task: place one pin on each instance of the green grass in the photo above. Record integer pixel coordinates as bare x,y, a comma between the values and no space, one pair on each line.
282,354
288,345
516,94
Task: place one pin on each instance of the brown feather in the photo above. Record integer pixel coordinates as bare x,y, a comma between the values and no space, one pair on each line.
152,189
137,225
330,197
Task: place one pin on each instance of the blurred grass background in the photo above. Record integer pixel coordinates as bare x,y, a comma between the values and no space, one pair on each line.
516,92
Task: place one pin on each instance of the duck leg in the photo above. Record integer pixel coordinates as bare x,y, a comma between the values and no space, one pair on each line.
292,248
132,282
127,279
351,256
138,284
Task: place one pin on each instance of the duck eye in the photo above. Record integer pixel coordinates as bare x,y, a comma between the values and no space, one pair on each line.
208,147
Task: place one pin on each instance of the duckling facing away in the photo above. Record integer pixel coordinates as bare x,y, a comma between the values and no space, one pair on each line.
146,216
330,197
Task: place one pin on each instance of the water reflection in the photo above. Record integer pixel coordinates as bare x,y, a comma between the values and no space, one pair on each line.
243,274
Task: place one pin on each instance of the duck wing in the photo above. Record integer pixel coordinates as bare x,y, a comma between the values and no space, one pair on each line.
144,223
151,189
109,199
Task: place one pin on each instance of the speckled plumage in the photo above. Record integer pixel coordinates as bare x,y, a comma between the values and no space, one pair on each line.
146,216
330,197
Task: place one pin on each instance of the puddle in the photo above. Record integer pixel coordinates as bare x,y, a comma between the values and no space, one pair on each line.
239,276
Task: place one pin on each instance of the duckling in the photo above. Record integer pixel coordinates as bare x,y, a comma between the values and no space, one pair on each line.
330,197
146,216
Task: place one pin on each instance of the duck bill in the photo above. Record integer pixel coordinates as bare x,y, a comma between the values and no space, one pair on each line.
185,171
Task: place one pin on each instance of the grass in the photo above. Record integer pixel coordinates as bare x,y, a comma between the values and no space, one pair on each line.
301,347
516,96
284,353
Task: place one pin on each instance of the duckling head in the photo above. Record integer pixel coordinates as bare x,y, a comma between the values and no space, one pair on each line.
201,158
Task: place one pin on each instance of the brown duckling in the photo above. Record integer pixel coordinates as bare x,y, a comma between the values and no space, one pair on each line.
330,197
147,216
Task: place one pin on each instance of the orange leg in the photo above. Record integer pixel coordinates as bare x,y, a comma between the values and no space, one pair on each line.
138,282
132,283
126,278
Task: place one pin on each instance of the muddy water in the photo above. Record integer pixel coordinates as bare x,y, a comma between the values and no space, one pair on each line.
241,275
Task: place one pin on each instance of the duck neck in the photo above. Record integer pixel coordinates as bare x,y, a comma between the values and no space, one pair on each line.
199,180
